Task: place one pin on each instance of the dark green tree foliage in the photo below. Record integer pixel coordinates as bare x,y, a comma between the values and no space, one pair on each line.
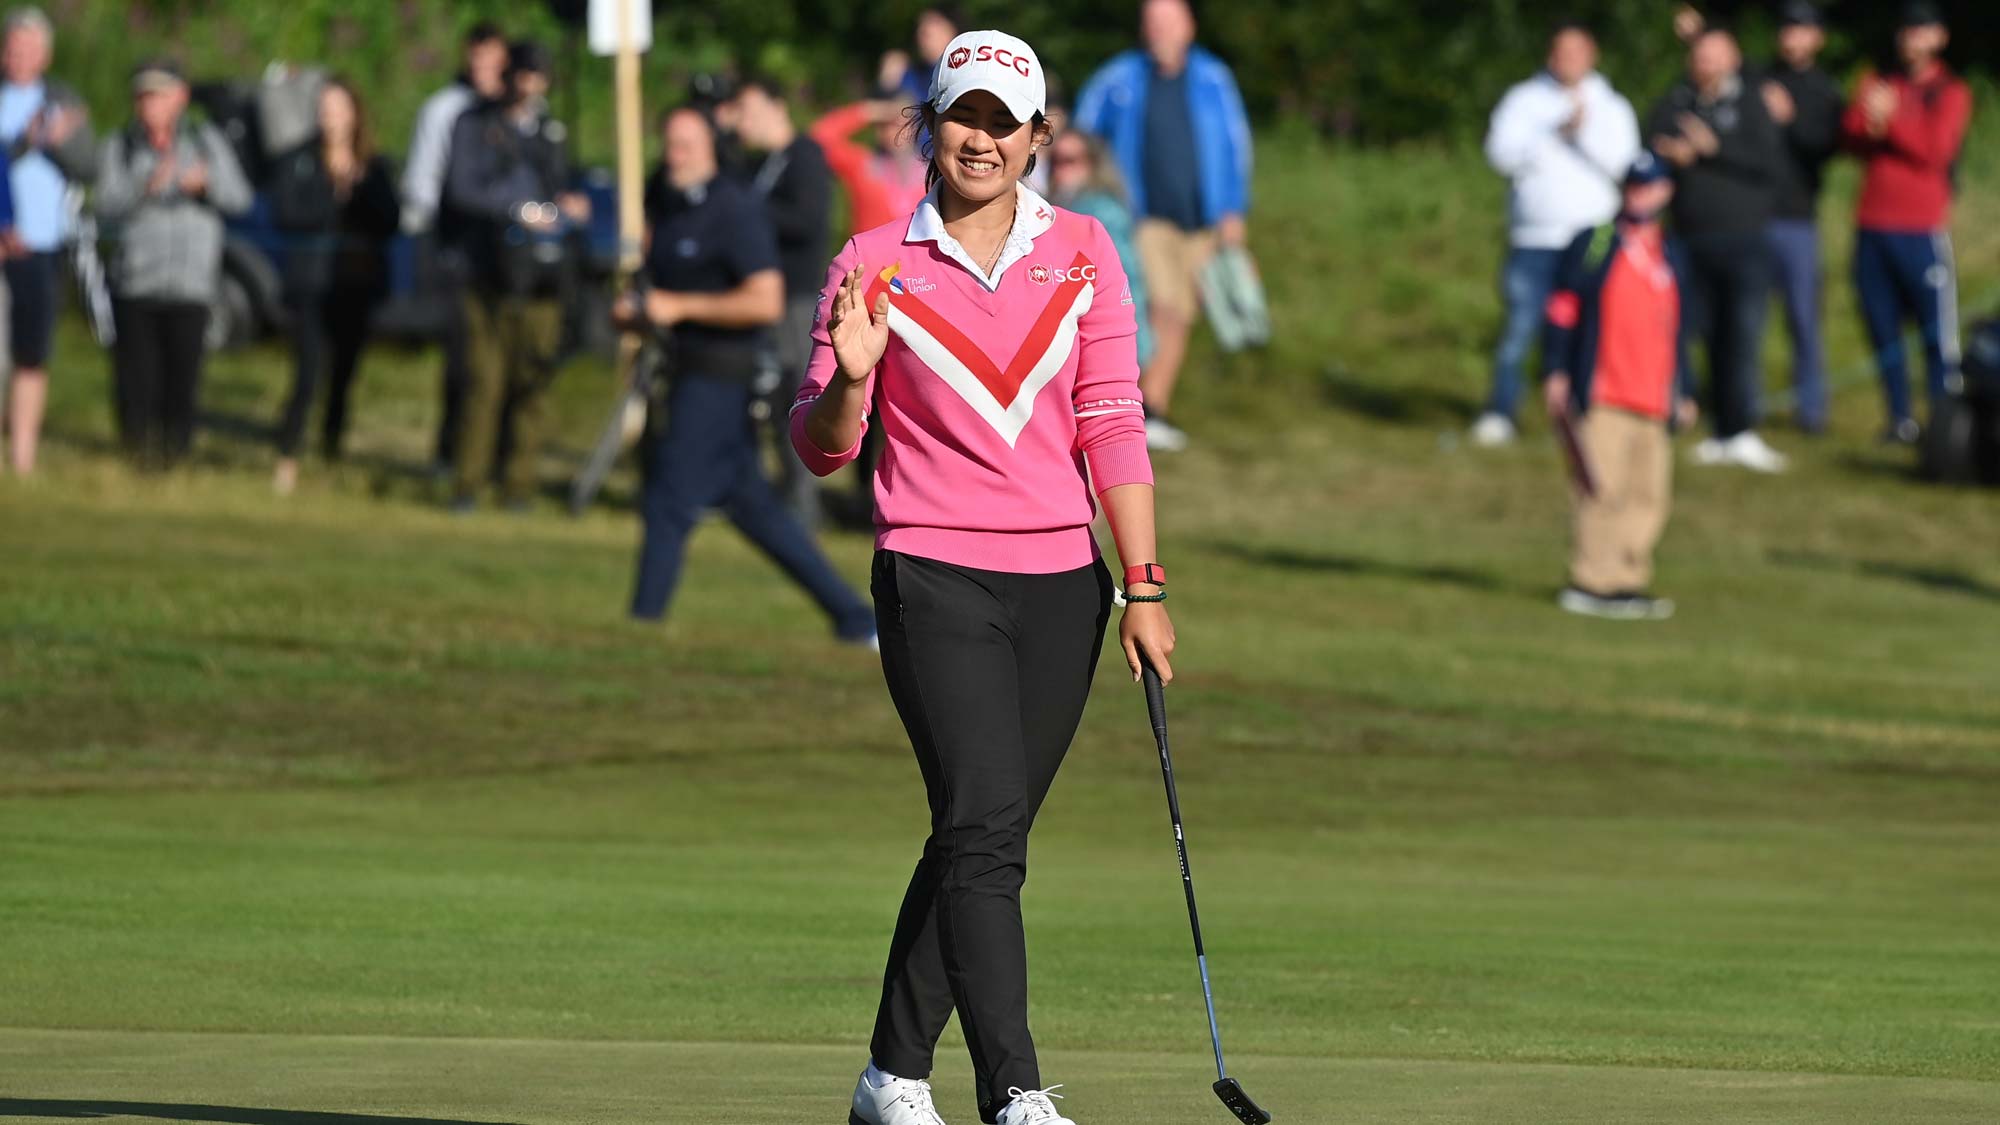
1373,70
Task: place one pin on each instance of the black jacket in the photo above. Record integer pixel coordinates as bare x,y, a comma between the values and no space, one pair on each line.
797,188
1812,138
332,242
497,164
1734,191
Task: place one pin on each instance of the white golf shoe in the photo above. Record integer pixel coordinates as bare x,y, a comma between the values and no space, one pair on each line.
1751,452
1492,431
899,1101
1033,1107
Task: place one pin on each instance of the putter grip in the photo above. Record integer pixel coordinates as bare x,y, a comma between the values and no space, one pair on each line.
1156,697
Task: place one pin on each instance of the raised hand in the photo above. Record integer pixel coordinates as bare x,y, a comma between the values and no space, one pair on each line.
860,335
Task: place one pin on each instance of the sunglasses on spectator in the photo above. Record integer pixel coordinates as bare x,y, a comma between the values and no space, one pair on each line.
1074,158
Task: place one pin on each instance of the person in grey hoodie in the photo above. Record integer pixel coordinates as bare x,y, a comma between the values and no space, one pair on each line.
1563,139
163,187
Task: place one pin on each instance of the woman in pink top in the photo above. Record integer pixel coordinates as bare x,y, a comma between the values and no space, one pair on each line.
990,336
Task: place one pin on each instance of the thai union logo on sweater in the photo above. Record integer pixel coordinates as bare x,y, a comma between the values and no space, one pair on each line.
1003,396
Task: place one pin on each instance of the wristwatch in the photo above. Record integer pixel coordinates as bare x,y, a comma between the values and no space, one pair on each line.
1146,573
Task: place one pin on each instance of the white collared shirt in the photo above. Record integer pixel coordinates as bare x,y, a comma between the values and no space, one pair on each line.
1032,218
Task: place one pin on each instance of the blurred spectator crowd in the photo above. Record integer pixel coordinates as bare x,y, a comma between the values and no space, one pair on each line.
1748,145
502,238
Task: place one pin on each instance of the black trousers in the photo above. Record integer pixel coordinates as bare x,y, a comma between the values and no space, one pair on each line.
328,332
444,272
156,377
1733,274
990,672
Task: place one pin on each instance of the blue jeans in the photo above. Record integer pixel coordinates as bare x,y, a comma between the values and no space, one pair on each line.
707,457
1525,282
1795,253
1908,276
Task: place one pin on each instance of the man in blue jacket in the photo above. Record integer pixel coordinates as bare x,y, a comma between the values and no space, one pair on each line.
1174,121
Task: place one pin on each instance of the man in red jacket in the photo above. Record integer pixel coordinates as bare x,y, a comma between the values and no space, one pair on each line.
1907,129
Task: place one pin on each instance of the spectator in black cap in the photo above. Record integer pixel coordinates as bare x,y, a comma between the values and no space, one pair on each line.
1806,105
507,180
163,187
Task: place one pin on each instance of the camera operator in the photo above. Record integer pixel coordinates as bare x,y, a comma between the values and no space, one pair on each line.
507,181
716,288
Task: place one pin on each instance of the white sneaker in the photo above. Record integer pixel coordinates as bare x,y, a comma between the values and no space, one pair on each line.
1750,451
1493,430
1033,1107
903,1101
1163,436
1711,451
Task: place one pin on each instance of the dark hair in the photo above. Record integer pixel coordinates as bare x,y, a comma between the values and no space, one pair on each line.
695,108
921,120
485,31
764,85
1565,27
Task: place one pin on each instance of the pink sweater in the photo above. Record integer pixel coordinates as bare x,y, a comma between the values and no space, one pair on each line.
994,391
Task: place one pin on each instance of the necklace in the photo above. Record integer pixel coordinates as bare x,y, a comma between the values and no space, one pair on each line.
993,259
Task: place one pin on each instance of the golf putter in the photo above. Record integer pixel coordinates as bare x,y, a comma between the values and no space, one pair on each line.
1226,1088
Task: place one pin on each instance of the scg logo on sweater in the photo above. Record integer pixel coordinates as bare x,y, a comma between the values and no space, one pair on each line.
1043,275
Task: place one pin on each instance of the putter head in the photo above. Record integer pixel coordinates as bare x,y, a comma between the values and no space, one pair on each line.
1239,1103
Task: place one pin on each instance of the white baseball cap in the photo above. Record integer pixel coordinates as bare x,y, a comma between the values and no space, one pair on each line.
995,62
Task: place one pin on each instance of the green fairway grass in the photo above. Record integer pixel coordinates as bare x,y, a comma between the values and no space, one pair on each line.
338,804
319,1080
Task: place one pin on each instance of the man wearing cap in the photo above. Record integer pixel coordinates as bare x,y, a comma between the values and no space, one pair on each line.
507,181
1611,362
46,127
1806,105
163,187
1907,128
1173,118
1563,139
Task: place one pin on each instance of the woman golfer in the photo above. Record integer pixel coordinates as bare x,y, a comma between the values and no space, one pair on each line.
990,336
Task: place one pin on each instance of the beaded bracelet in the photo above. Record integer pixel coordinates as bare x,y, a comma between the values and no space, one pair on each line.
1159,597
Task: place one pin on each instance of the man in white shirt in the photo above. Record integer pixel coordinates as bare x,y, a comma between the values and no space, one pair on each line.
482,79
46,129
1563,139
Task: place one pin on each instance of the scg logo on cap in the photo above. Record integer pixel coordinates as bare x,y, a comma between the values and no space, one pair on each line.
989,53
959,58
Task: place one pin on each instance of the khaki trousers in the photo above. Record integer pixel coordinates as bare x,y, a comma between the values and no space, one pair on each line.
1631,461
510,344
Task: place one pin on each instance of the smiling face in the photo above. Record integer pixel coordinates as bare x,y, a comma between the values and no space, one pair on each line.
982,148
